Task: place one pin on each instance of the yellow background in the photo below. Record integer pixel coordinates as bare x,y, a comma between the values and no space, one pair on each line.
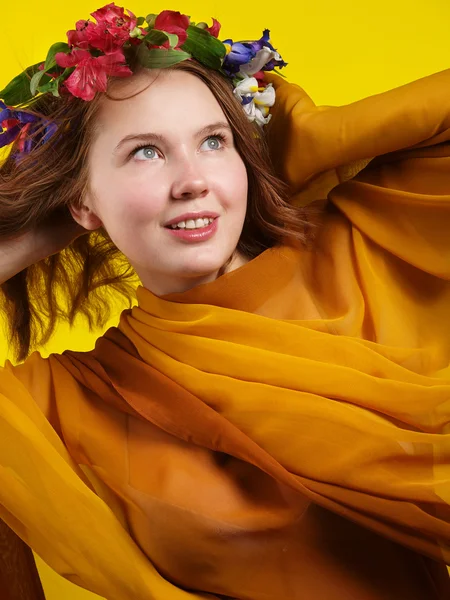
338,52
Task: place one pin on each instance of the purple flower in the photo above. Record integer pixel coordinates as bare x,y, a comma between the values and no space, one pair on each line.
28,127
12,122
274,64
276,61
238,53
251,57
263,42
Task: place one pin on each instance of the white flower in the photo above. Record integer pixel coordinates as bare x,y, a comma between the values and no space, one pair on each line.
266,97
247,86
250,109
262,116
257,102
256,113
262,57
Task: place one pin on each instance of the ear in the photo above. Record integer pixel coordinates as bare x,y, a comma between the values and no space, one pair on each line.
85,217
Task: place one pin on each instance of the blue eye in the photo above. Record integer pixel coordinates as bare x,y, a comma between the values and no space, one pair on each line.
214,142
147,152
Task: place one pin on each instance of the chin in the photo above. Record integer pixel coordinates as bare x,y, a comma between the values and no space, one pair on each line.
204,263
205,268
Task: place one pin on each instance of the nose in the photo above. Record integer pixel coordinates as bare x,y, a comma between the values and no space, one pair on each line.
189,182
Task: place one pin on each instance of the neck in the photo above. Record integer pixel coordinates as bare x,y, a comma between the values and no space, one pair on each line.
170,285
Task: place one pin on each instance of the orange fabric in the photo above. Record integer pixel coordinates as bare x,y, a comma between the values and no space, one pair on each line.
282,432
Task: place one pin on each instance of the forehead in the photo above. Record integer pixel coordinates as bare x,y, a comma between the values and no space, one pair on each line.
161,99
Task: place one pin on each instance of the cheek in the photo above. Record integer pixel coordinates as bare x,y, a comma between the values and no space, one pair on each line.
132,204
235,183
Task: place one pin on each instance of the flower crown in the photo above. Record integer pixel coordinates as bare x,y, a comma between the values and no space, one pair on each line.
95,50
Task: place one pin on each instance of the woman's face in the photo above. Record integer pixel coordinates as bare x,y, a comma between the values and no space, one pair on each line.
186,169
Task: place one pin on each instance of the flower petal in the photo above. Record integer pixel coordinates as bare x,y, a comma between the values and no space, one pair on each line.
260,118
9,136
85,81
257,63
168,19
79,36
249,85
277,61
109,59
26,117
72,58
113,64
266,97
6,113
120,71
110,14
250,110
214,30
90,75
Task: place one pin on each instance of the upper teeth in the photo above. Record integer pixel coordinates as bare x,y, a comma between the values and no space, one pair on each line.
192,224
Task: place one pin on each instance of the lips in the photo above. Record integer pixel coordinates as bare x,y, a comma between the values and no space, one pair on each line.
193,216
194,236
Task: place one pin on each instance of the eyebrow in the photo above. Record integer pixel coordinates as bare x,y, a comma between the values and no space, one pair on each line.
152,137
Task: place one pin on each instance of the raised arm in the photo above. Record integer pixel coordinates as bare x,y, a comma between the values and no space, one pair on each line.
383,161
316,147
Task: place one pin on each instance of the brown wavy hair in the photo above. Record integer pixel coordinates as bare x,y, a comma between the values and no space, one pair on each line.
43,184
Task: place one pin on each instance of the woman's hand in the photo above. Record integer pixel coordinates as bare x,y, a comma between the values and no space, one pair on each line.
52,236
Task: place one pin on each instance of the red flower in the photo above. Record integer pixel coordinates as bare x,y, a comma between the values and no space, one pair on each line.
114,16
79,36
9,123
107,39
215,28
171,21
90,75
111,31
113,27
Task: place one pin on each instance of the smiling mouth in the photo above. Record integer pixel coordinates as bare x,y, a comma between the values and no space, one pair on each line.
194,235
192,224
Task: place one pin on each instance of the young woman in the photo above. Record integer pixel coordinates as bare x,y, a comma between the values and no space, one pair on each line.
271,420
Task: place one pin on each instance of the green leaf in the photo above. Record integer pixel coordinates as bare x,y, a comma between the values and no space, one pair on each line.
156,37
50,61
35,82
140,21
160,58
53,85
173,39
204,47
18,89
151,18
